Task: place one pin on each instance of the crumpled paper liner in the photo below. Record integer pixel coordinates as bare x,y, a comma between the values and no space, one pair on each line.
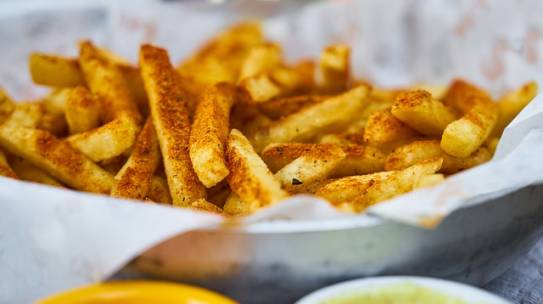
53,239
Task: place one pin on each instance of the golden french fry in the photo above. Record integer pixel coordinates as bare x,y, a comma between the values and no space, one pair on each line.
234,206
28,172
203,205
334,68
54,123
386,131
82,110
331,114
360,160
209,133
27,115
437,91
421,112
312,166
159,191
512,103
6,105
281,107
5,168
422,150
462,96
429,181
261,59
249,176
55,101
171,120
134,179
465,135
56,157
55,71
309,188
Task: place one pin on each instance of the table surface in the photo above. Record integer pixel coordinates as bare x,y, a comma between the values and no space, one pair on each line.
523,282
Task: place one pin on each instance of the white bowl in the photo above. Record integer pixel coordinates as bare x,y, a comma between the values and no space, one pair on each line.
459,291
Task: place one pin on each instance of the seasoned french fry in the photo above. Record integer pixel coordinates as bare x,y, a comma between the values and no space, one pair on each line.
55,71
134,179
360,160
421,112
462,96
331,114
54,123
204,205
334,68
159,191
26,115
309,188
234,206
512,103
171,120
55,101
28,172
82,110
281,107
56,157
6,105
437,91
5,168
312,166
261,59
429,181
209,133
249,176
107,141
422,150
465,135
386,131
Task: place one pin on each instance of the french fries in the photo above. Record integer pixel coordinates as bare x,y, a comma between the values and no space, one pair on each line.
421,112
235,128
249,176
328,115
134,179
171,120
209,133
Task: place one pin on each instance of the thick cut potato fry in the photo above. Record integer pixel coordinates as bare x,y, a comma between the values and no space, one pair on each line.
421,112
358,160
350,189
134,179
6,105
279,82
261,59
281,107
107,141
5,168
106,81
512,103
234,206
28,172
55,101
203,205
54,123
309,188
55,71
465,135
429,181
56,157
463,96
26,115
310,167
386,131
334,68
422,150
249,176
82,110
209,133
331,114
171,120
159,192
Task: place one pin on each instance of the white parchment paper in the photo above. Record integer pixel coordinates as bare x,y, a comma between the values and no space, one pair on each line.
51,239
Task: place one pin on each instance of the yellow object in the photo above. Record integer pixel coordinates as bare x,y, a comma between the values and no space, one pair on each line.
138,292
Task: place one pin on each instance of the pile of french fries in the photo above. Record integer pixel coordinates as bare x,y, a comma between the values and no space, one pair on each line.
235,128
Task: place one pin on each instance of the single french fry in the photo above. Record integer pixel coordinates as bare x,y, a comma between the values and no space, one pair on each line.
465,135
82,110
312,166
209,133
281,107
422,150
421,112
107,141
5,168
249,176
386,131
512,103
56,157
171,120
261,59
429,181
55,101
234,206
462,96
134,179
27,115
203,205
309,188
331,114
334,68
6,105
55,71
359,160
437,91
28,172
159,191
